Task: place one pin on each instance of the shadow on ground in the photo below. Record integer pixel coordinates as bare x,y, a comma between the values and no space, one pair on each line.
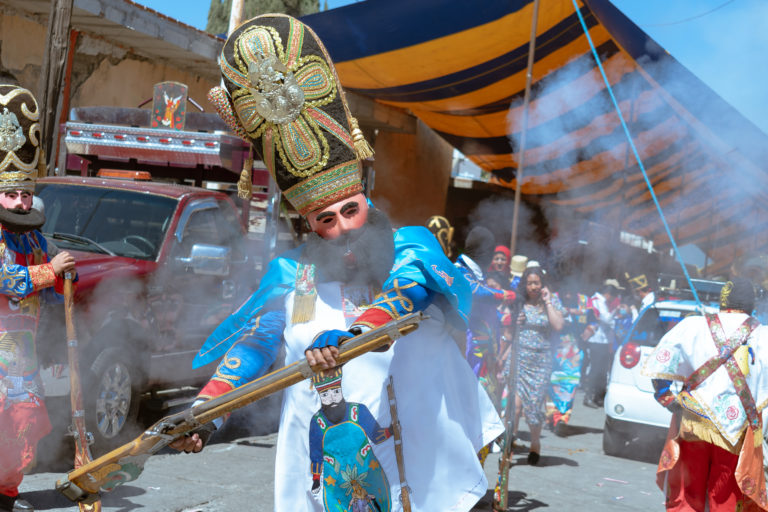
52,499
517,501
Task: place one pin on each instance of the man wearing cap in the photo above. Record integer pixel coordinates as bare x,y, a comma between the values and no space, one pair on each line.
26,271
642,290
282,94
713,457
600,336
500,260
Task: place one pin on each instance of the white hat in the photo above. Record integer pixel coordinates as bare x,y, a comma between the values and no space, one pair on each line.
517,265
533,263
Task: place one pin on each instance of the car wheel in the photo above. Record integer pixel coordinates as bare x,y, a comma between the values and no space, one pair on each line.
113,404
614,442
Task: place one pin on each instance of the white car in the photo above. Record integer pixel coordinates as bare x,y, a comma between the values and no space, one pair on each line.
635,423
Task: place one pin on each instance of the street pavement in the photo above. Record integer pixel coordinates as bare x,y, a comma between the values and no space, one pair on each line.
236,474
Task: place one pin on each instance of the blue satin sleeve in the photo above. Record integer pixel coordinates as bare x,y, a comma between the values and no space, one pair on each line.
480,290
254,351
403,297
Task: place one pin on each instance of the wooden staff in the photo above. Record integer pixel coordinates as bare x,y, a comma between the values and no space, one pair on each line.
78,428
397,434
125,463
502,487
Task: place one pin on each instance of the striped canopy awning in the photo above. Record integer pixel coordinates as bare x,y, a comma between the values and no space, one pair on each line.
461,68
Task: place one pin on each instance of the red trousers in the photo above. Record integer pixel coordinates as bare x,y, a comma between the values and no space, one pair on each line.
704,472
22,425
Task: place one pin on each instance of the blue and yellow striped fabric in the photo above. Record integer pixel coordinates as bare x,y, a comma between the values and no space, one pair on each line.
461,67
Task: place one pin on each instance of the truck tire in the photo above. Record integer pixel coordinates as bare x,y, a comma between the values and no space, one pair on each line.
112,404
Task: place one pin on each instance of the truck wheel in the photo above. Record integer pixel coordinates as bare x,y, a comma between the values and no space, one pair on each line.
113,405
613,441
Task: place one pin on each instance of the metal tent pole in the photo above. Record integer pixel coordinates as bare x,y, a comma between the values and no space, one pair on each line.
526,101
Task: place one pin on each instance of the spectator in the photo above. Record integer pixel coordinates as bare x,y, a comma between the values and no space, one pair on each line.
600,336
539,316
566,373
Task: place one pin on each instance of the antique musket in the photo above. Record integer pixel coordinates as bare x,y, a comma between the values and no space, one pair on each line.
77,428
125,463
397,434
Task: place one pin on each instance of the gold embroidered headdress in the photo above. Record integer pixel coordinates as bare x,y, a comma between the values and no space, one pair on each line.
20,154
282,94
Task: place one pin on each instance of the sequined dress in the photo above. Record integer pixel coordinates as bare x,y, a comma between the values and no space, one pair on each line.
535,360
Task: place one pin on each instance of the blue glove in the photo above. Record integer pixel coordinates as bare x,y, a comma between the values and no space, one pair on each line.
330,339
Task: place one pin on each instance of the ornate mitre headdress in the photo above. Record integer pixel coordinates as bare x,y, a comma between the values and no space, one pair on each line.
282,94
20,154
443,231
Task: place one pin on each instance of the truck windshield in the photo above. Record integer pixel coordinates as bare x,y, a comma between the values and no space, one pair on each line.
103,220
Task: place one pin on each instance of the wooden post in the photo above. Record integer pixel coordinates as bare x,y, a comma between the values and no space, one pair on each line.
52,76
235,15
526,101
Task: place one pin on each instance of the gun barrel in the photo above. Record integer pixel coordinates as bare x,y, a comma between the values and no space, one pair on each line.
91,477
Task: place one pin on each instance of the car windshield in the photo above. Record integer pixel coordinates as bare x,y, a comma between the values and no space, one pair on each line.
654,323
103,220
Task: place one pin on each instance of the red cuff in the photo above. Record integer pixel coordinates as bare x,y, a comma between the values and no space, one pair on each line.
214,388
373,317
42,276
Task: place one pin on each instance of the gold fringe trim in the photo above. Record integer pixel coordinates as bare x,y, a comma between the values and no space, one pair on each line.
303,308
695,428
245,184
363,150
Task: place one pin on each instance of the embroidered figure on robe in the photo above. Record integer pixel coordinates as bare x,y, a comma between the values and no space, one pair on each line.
341,439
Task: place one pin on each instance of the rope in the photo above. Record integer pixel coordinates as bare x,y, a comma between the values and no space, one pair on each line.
637,155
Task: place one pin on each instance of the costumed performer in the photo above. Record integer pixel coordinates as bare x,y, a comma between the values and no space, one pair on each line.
352,274
26,271
713,457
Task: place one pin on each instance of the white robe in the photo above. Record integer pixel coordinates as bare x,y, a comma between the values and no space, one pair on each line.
446,416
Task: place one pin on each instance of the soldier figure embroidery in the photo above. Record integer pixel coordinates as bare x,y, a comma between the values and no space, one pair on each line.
282,94
25,272
340,448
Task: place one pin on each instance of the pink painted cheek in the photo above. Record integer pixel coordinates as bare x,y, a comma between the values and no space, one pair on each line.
7,202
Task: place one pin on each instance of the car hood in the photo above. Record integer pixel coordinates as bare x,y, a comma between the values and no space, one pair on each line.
93,268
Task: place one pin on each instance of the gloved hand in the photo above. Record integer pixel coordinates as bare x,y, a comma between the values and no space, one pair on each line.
325,347
315,486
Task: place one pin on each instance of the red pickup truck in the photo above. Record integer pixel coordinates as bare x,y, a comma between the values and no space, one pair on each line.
159,266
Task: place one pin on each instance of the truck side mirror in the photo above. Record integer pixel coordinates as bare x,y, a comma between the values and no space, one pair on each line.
208,260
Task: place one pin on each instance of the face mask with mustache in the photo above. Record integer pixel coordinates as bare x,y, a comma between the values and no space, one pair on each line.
363,256
19,220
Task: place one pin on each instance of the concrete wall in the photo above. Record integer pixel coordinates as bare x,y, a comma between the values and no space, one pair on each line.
102,73
412,175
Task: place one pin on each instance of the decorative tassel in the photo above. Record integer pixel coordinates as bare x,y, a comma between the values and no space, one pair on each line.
305,295
245,184
303,307
362,149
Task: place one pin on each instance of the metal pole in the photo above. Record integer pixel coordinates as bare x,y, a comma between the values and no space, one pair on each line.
526,100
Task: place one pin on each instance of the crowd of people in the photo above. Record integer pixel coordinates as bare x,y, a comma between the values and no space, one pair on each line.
560,336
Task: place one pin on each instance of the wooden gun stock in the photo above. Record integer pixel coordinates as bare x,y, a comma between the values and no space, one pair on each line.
125,463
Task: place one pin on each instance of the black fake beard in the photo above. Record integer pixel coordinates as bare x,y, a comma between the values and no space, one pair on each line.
18,220
363,256
335,412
